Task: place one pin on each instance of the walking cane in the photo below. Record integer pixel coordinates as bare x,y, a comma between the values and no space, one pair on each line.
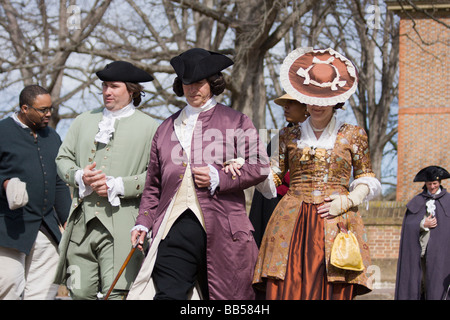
121,269
446,295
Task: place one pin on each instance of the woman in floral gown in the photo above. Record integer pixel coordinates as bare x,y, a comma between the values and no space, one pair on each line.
321,154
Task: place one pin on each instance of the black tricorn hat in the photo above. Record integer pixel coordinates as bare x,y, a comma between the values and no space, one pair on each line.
432,173
197,64
123,71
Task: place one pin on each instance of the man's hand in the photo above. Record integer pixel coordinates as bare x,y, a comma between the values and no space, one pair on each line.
138,236
201,176
5,184
96,179
430,222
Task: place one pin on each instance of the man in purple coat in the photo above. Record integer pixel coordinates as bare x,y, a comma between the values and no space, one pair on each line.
423,269
194,210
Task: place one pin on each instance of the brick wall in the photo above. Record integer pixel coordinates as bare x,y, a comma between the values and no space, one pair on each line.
384,241
424,99
383,221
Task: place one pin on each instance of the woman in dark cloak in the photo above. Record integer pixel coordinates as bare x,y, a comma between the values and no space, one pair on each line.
423,269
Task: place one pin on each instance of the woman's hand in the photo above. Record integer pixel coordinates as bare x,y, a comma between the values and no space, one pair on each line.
233,167
324,209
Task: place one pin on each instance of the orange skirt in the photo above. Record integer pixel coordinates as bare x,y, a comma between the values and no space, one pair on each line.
306,277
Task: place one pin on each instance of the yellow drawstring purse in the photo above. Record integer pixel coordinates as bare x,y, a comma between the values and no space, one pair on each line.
345,253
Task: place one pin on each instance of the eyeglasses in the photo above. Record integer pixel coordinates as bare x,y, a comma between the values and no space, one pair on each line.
44,110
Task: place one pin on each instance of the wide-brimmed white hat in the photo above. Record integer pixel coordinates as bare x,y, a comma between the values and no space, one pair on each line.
318,77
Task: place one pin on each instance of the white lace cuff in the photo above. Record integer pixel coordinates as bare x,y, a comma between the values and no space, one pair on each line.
115,189
240,161
267,187
140,227
373,184
214,178
83,190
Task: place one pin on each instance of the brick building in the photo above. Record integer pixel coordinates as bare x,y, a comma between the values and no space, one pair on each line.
424,91
423,124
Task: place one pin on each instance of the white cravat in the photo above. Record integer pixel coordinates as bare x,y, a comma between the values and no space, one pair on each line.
106,126
187,129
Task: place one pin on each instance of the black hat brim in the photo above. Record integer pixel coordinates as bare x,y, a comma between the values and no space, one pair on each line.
431,173
197,64
123,71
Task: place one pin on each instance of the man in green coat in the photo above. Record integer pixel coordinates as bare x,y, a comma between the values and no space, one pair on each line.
104,157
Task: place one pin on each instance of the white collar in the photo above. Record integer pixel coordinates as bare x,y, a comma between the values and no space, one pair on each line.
124,112
437,192
190,110
327,138
17,120
106,125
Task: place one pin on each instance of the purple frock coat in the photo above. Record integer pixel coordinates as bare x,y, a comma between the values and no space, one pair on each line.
219,135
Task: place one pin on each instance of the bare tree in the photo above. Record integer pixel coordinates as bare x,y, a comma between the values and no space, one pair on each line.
244,29
370,38
37,44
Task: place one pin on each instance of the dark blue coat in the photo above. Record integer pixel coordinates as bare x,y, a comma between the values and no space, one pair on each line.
32,160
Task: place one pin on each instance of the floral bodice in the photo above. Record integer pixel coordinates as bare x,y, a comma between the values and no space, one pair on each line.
317,172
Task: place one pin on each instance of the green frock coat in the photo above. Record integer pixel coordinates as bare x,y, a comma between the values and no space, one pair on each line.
126,155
